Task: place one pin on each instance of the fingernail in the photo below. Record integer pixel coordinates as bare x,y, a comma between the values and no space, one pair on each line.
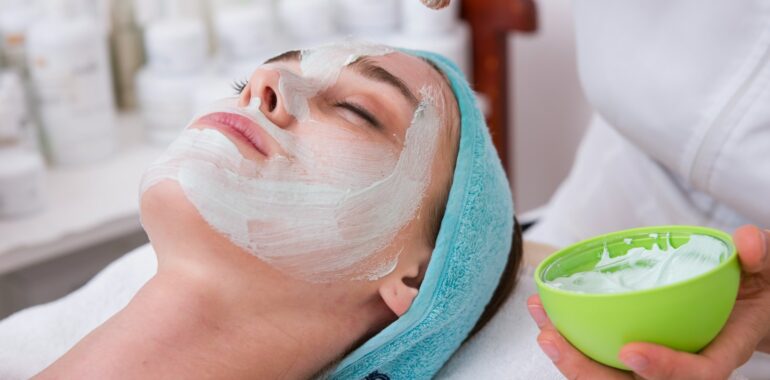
538,314
550,350
635,361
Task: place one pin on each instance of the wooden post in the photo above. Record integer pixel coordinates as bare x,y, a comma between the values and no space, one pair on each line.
491,21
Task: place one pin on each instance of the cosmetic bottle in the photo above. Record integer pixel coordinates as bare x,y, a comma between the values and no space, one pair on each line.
177,58
15,19
22,170
70,75
307,22
246,36
244,32
369,18
127,52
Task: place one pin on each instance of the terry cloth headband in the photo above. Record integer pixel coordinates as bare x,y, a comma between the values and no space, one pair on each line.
471,252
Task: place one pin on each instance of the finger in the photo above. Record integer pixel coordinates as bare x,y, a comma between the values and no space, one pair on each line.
571,362
536,310
753,245
435,4
748,323
654,362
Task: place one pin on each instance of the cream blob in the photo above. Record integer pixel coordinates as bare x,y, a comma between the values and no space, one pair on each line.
325,209
642,268
320,69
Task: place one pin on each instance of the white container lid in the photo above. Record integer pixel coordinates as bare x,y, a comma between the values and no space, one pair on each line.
12,105
147,12
165,103
245,32
22,182
54,33
176,46
368,16
15,162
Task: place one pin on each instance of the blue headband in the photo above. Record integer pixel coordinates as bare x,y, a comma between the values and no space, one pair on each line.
471,252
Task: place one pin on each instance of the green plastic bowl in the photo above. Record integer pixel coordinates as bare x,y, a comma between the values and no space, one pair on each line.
684,316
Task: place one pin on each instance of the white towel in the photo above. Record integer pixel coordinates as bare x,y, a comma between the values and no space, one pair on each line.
506,348
33,338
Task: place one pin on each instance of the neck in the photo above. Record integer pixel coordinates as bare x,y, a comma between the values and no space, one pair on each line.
255,318
222,313
260,336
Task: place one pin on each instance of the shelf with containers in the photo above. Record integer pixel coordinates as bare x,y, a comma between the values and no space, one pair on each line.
83,206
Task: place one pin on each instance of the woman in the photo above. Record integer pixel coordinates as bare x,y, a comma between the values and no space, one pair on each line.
343,188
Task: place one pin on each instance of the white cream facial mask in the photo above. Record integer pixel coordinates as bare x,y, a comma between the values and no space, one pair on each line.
642,268
325,209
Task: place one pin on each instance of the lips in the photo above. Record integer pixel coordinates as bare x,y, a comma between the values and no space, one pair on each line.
240,128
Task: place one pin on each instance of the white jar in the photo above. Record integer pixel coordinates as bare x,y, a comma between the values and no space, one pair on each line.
16,122
70,72
165,103
368,17
22,182
211,89
244,32
419,20
12,106
177,56
14,24
308,22
176,46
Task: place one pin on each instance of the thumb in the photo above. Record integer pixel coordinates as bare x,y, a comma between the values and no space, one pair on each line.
435,4
654,362
753,245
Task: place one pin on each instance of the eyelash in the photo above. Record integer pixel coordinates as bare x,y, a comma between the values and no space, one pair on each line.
239,85
361,112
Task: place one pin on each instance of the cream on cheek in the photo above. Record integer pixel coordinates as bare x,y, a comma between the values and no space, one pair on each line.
328,208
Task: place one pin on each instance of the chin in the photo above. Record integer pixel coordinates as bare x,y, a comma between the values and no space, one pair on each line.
164,210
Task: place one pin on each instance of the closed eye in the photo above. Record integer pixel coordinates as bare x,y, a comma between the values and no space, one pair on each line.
361,112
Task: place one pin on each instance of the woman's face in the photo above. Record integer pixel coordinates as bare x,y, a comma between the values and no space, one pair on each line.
321,163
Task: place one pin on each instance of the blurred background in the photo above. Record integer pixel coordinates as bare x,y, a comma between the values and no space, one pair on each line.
91,91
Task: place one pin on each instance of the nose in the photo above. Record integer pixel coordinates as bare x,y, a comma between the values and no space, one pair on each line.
263,84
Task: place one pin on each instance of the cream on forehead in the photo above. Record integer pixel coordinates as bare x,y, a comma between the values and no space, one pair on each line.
312,221
320,69
325,63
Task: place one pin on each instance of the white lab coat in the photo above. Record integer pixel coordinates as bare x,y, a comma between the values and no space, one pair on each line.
681,90
681,135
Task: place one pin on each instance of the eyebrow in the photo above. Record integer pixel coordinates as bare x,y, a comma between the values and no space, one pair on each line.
374,72
366,68
286,56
